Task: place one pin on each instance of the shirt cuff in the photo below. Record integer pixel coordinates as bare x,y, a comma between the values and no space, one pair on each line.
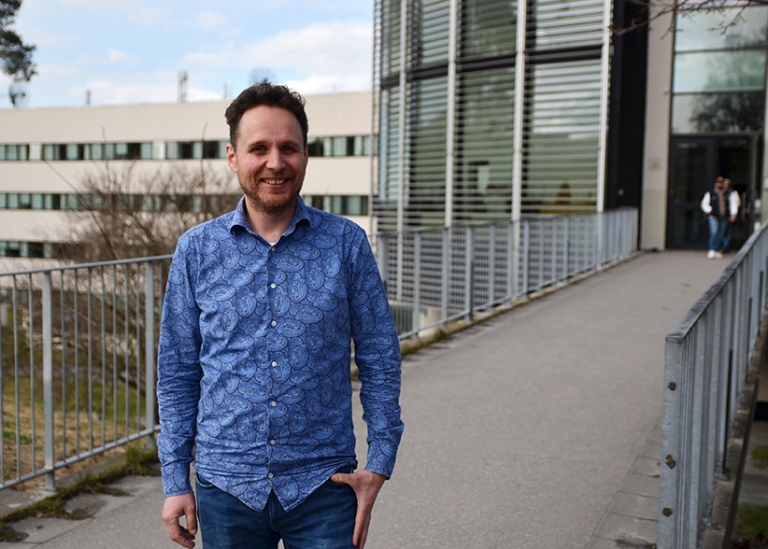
176,479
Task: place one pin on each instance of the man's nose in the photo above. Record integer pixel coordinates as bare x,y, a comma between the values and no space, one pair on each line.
275,160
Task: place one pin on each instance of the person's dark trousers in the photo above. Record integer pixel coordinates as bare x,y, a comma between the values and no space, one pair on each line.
325,520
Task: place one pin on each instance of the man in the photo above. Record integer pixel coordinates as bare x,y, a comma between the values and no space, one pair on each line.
721,209
254,356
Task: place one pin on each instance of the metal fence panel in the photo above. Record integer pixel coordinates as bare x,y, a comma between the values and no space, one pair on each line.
706,361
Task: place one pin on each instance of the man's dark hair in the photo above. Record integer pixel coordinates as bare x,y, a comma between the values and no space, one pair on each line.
268,95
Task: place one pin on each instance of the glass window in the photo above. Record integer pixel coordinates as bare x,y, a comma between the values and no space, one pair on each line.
721,29
172,150
719,71
3,201
2,152
49,152
11,152
23,152
488,27
145,152
562,116
555,23
197,150
339,146
36,201
13,201
121,151
483,172
110,152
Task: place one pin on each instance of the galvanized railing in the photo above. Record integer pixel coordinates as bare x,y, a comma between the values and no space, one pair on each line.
77,363
707,360
78,343
436,275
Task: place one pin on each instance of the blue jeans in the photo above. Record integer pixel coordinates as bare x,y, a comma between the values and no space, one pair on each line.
716,232
325,520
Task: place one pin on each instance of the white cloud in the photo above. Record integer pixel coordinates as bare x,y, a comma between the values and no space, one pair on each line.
117,57
321,57
211,20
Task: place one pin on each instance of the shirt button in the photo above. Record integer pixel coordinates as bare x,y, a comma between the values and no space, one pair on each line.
274,323
271,475
273,285
272,442
273,404
274,364
273,248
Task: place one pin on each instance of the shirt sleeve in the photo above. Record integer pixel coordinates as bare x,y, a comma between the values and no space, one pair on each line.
178,373
377,354
706,204
734,202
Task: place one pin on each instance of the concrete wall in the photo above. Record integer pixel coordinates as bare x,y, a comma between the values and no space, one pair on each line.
653,220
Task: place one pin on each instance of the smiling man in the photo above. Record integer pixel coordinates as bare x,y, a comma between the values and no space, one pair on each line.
261,308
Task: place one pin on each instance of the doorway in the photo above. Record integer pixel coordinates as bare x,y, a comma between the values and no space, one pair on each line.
695,162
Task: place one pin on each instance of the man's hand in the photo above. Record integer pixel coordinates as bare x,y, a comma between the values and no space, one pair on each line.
181,506
366,485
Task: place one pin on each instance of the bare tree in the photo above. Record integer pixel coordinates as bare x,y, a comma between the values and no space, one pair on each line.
124,212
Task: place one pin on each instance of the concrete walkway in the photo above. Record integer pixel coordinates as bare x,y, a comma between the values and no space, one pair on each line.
536,429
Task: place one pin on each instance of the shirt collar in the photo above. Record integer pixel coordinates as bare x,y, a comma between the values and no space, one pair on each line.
240,219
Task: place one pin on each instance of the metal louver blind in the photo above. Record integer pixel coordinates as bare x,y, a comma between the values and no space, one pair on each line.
484,141
430,23
561,142
390,37
389,142
570,23
425,189
488,28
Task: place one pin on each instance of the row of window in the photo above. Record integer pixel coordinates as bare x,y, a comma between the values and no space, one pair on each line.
355,145
341,205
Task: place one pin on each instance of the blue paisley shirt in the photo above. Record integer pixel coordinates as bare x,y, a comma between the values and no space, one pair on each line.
254,358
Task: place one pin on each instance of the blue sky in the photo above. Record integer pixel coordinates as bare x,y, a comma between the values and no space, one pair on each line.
131,51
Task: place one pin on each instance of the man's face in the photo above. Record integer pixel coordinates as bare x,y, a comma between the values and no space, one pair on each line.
719,184
269,158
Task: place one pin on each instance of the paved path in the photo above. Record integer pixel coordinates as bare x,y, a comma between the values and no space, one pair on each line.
536,429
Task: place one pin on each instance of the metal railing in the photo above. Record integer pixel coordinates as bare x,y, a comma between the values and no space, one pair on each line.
436,275
78,343
707,359
77,363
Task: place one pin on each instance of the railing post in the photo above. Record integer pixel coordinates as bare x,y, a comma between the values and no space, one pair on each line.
526,256
416,281
48,429
149,348
469,272
444,275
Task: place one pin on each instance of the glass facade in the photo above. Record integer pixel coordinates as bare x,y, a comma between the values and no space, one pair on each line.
720,70
451,145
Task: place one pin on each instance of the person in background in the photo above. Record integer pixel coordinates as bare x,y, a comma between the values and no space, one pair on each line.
734,197
261,308
721,210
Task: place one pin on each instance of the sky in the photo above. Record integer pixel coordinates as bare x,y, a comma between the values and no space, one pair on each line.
132,51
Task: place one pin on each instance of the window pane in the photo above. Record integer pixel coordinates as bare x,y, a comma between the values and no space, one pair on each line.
562,121
483,172
146,151
488,27
721,29
719,71
554,23
718,112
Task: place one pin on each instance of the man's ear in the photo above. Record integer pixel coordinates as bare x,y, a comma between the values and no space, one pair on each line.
231,158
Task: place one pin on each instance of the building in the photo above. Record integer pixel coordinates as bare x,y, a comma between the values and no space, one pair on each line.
479,121
47,154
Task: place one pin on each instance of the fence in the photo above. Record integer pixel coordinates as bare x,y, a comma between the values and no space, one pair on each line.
78,343
435,275
77,363
707,360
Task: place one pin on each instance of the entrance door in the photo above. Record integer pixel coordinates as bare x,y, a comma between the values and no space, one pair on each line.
695,162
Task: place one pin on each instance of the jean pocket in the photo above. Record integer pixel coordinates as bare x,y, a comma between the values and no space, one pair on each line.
202,483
